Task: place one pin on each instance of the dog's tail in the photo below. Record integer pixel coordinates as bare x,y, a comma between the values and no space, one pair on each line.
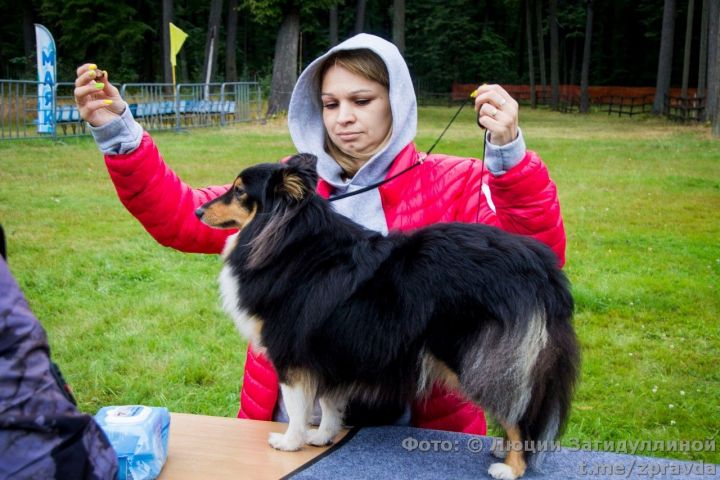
555,376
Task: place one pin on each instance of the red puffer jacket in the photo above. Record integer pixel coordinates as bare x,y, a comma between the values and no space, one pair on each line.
443,189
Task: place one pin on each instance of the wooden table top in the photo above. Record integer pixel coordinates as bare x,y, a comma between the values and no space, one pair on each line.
217,447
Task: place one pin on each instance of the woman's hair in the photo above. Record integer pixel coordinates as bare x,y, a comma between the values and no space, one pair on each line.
364,63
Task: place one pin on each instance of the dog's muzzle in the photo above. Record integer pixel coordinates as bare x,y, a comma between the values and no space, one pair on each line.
199,213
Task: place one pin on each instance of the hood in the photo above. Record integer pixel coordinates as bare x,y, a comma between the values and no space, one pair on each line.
306,125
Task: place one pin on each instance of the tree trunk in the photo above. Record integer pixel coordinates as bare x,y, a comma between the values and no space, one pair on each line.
211,44
285,63
167,17
28,30
231,43
688,43
573,65
713,70
300,54
585,73
541,50
360,16
662,87
29,40
183,76
563,49
702,60
245,35
399,25
334,25
531,62
554,56
145,65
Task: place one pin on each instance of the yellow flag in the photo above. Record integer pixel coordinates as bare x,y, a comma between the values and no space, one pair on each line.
177,38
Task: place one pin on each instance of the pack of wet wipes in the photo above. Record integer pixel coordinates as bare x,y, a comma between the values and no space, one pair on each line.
139,435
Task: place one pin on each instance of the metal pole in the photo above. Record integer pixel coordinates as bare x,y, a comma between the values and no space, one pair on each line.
177,108
222,104
53,120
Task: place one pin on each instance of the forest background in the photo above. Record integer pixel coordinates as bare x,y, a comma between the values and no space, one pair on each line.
444,41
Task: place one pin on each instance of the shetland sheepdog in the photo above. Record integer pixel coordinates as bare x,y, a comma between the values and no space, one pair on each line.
345,313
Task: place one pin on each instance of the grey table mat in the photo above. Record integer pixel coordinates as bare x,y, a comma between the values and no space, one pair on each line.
393,452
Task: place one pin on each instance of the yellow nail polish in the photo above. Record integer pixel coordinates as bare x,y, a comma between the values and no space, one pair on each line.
477,91
99,85
107,102
92,73
92,66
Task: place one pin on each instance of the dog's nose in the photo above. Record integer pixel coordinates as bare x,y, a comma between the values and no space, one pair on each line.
199,212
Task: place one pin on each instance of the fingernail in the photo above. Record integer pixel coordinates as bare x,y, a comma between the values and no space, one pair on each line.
92,66
99,85
477,91
107,102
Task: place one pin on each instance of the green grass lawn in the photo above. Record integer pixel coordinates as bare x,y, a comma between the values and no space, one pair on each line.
130,321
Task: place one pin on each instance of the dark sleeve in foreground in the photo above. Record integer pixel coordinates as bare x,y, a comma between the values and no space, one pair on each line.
42,435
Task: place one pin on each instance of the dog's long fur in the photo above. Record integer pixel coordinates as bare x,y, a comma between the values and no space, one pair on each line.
345,313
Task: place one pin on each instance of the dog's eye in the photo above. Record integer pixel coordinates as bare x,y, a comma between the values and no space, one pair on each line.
238,191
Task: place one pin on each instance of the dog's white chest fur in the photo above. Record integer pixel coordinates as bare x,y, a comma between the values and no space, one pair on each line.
248,325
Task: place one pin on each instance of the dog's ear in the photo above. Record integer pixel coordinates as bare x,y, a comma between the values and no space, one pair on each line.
299,177
306,161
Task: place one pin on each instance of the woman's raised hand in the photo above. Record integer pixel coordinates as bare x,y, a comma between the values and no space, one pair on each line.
498,112
98,101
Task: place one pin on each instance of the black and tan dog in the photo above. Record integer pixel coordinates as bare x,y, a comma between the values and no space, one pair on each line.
345,313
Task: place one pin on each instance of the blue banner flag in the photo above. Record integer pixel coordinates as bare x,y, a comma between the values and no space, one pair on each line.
47,76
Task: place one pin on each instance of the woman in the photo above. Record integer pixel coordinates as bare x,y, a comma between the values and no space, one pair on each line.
355,109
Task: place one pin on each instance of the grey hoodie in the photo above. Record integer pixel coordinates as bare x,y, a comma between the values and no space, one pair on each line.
308,132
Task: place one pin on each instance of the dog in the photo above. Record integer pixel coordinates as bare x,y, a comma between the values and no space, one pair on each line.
345,313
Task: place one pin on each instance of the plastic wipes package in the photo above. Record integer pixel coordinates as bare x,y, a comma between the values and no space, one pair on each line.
139,436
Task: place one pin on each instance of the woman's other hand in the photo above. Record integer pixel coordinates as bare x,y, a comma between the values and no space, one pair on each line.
98,101
498,113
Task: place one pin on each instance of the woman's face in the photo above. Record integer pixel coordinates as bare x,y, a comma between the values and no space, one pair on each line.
356,112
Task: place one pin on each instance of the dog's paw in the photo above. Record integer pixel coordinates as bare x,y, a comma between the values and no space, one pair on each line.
501,471
280,441
319,438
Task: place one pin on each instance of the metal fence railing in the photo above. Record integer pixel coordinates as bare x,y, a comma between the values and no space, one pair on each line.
67,118
18,103
156,106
